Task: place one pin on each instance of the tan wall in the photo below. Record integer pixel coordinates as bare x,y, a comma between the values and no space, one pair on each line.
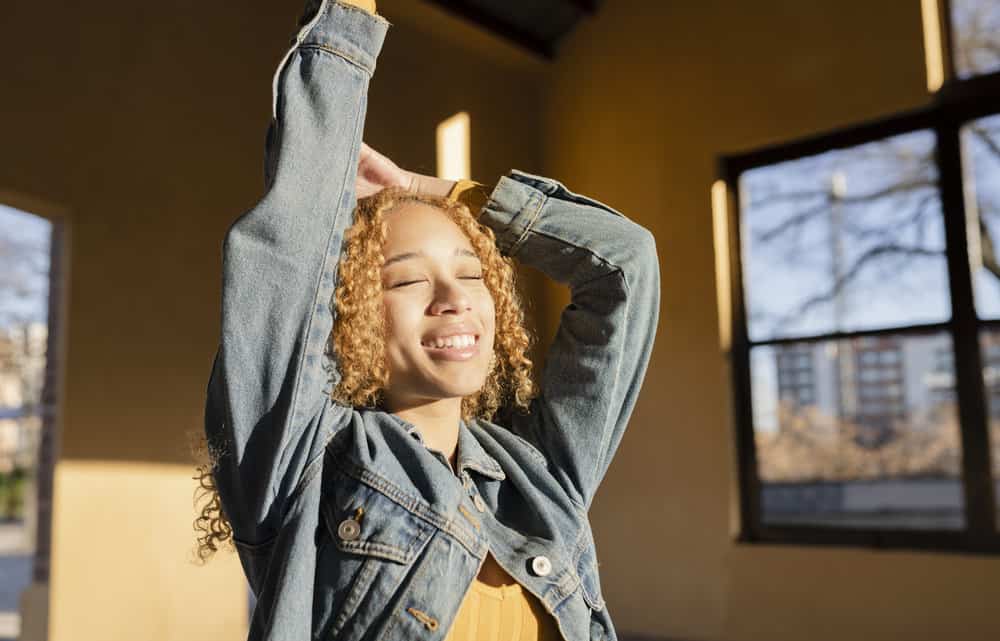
643,99
145,123
122,561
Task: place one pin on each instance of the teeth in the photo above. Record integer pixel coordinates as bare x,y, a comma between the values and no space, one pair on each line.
459,341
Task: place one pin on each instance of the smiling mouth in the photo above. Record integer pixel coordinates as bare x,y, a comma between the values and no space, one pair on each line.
460,347
457,341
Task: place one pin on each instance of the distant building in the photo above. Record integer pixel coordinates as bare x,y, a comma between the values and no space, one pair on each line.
879,383
22,369
797,374
879,372
941,379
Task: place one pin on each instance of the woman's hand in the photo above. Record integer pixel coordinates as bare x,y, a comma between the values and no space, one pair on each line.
376,172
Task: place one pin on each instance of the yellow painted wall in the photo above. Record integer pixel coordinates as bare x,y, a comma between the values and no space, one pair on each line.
642,100
123,564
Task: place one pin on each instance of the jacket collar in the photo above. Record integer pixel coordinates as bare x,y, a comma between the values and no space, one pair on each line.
471,455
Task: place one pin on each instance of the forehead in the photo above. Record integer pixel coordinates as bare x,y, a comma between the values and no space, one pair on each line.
413,227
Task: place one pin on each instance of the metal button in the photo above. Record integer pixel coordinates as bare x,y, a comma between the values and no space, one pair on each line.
478,502
541,565
348,530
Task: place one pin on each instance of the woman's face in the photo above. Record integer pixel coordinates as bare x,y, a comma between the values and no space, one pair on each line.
439,312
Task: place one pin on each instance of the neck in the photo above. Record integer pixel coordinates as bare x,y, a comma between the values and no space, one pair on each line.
437,421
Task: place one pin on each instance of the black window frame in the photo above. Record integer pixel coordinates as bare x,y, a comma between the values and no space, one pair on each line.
954,105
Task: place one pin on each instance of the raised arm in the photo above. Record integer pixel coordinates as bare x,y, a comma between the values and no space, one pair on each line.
268,408
596,364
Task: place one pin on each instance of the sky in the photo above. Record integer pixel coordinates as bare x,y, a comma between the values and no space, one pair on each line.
24,263
783,272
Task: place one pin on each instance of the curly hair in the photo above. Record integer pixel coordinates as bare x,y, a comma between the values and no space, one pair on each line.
358,335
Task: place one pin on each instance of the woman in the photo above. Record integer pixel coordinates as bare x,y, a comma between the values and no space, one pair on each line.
364,352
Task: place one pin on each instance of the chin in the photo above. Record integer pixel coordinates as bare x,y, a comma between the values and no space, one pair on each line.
438,380
460,389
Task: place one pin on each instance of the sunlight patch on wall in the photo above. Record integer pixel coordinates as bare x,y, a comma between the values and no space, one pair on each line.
933,46
453,147
720,227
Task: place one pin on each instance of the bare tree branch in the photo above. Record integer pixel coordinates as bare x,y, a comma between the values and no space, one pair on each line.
788,196
885,231
839,283
984,136
802,217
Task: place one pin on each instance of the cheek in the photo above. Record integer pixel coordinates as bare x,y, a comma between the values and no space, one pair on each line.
399,322
489,304
488,314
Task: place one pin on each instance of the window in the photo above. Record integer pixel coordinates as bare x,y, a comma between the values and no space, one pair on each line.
29,283
873,253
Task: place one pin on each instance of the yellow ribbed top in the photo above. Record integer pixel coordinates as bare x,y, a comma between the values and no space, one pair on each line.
502,613
471,193
367,5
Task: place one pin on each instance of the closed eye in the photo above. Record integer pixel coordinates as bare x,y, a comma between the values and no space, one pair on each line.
405,283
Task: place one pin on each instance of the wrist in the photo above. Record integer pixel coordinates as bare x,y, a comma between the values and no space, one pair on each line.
430,185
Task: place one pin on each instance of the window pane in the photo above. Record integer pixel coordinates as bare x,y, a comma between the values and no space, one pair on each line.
976,36
848,240
981,151
24,289
990,342
876,447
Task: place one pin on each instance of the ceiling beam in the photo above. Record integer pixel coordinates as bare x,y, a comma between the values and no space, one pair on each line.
492,23
588,6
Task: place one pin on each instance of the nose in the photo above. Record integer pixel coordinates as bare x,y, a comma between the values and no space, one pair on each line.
450,298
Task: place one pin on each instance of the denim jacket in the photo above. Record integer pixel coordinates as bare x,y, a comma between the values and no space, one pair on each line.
346,525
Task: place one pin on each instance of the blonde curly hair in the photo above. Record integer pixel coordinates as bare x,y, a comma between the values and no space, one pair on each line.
358,334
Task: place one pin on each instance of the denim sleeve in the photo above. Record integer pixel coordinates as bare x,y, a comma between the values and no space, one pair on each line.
268,406
596,364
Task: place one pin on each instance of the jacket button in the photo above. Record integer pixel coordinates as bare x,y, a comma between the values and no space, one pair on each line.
478,502
348,530
541,565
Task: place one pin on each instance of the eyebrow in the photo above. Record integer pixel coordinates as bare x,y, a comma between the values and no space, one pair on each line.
407,255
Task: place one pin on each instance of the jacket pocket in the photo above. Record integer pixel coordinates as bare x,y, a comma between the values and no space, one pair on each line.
368,543
362,520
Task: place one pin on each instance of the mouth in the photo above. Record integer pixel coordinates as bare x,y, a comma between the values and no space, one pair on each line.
458,347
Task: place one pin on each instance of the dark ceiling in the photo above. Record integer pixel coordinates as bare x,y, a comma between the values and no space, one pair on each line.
537,25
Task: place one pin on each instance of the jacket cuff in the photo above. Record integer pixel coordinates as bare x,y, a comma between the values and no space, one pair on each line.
345,30
512,209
